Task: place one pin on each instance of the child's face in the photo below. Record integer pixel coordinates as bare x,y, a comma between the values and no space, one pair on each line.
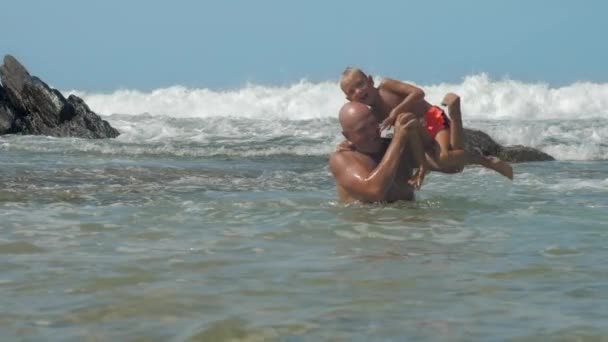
359,88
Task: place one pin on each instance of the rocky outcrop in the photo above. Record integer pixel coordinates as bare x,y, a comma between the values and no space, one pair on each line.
30,106
7,113
520,154
478,141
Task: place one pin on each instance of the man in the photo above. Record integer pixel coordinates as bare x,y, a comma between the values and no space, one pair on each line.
374,169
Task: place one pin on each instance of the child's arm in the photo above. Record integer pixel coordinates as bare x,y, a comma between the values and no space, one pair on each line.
410,93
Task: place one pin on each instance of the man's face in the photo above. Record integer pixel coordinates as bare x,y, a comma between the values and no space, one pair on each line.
365,134
359,88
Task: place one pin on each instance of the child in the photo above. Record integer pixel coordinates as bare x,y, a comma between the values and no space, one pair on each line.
443,140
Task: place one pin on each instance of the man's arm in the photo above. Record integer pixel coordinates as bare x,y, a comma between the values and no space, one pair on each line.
362,184
411,94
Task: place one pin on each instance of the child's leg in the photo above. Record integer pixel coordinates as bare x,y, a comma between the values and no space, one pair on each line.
452,102
495,164
428,145
451,161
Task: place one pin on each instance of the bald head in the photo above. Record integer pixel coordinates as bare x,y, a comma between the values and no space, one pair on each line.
352,113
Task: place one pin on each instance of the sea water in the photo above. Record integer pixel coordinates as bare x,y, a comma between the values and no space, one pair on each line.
213,217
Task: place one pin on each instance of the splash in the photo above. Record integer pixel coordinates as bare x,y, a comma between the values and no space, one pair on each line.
483,99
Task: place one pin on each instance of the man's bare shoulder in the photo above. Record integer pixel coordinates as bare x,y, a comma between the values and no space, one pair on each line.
349,162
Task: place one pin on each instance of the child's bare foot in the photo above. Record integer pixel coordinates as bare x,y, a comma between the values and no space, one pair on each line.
452,102
418,178
500,166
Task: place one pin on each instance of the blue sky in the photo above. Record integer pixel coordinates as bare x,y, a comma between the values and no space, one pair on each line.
111,44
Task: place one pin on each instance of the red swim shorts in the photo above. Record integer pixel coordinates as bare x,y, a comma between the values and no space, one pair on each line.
436,120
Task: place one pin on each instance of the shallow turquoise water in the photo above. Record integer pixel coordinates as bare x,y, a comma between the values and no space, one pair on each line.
123,240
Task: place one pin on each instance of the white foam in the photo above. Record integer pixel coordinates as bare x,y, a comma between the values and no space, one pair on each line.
564,139
300,101
569,122
577,184
483,98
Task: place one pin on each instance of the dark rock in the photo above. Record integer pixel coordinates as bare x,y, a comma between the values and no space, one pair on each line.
7,113
85,123
520,154
38,109
479,142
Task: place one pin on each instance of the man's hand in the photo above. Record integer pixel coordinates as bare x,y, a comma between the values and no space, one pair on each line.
403,122
344,146
418,177
389,121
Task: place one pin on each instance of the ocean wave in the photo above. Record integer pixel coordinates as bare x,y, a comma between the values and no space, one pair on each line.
482,99
147,135
171,148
